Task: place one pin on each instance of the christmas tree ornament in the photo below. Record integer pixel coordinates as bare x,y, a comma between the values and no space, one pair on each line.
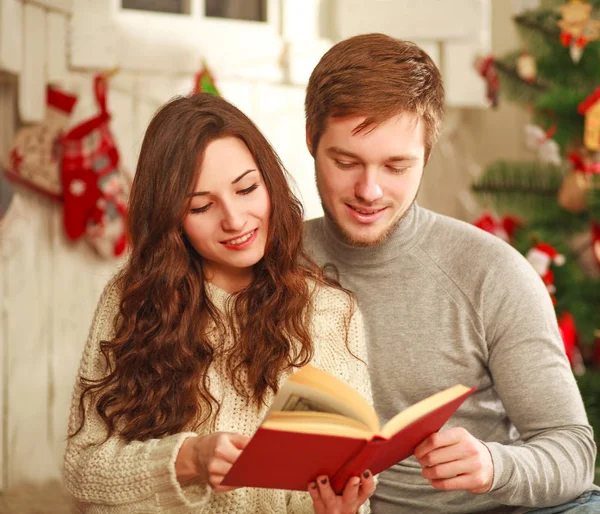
573,193
204,81
596,242
486,69
33,160
526,67
577,27
539,140
590,108
558,202
504,227
595,358
541,257
94,187
568,332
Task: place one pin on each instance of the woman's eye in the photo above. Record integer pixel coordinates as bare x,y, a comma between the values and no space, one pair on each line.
248,189
198,210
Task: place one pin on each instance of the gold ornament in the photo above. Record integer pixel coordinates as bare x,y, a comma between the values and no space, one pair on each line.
572,195
590,108
577,27
526,67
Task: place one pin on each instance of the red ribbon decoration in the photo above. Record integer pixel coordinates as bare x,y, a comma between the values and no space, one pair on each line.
579,164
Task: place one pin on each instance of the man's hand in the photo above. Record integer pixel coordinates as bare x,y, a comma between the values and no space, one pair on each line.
455,460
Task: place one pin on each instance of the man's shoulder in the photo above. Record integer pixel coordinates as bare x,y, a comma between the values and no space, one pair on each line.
313,227
453,237
314,239
463,250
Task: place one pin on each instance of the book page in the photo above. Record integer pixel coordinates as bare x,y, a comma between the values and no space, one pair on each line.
422,408
294,397
323,392
317,423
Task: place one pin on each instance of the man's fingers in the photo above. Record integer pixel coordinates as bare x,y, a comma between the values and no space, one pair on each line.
457,451
439,440
450,469
473,482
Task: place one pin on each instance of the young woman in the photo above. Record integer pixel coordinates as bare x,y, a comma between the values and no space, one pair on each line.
215,307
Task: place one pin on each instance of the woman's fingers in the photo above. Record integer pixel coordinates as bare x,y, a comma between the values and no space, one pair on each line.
367,487
356,492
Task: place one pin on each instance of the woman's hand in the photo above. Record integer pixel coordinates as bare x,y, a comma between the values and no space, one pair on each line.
207,459
357,491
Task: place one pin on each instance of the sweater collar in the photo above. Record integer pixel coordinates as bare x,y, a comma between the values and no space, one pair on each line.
404,237
219,297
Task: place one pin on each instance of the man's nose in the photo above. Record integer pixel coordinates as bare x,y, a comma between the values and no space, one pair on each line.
367,188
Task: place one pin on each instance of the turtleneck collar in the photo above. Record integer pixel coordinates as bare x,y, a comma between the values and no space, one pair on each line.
404,237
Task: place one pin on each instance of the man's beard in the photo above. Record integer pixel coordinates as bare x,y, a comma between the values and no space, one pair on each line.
348,238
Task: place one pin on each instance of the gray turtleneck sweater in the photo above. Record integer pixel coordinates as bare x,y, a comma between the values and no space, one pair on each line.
446,303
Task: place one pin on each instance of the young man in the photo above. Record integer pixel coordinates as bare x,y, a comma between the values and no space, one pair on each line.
443,302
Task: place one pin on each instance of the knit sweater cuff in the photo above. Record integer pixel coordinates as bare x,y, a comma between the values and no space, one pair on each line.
501,472
169,492
365,508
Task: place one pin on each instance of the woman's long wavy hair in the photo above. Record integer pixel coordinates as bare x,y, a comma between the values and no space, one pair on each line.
157,379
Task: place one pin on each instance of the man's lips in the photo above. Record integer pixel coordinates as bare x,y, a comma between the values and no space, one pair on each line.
366,210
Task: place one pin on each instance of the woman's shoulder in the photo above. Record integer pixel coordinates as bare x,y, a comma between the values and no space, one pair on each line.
328,298
108,305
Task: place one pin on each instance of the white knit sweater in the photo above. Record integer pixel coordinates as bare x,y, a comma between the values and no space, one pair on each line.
117,477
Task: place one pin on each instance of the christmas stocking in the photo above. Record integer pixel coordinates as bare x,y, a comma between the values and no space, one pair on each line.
94,189
33,159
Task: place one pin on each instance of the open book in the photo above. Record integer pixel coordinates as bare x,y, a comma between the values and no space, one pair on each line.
319,425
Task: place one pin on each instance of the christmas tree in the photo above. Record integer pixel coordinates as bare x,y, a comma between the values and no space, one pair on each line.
549,207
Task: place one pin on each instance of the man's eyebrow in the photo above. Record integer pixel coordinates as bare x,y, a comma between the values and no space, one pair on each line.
398,158
394,158
340,151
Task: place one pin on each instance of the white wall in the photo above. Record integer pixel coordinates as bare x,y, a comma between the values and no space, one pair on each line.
48,287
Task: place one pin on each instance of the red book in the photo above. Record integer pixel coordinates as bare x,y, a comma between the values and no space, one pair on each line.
318,425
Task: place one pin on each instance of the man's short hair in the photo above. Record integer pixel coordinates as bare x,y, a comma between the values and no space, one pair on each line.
376,76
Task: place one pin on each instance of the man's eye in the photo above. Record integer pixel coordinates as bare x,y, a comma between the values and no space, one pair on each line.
397,171
344,165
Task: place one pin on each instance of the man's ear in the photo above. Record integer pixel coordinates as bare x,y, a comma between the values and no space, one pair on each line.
309,140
